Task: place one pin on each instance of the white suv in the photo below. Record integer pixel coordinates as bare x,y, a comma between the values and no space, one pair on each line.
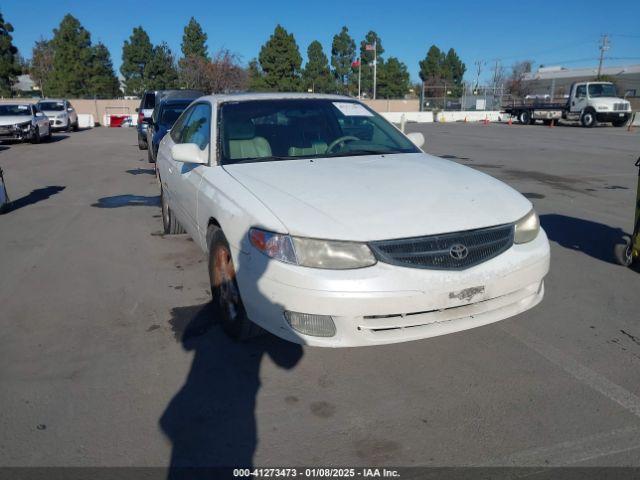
61,114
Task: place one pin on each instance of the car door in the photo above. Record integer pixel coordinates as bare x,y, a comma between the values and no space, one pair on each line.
580,101
73,115
197,130
40,119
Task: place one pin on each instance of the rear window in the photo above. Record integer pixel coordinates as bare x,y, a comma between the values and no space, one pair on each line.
149,101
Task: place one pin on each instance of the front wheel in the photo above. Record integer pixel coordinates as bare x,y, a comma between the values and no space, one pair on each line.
35,136
624,252
224,289
142,144
170,225
588,119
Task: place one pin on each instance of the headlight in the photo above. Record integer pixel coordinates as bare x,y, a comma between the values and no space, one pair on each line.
308,252
25,126
62,115
527,228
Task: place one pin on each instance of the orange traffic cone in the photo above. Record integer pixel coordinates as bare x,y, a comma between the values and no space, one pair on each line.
551,123
510,122
465,119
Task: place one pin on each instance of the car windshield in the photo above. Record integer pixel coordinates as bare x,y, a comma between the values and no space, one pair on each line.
12,110
602,90
284,129
170,113
51,106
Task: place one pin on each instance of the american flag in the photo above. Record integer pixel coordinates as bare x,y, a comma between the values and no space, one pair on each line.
369,47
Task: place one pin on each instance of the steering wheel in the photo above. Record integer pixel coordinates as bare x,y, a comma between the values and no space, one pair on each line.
340,141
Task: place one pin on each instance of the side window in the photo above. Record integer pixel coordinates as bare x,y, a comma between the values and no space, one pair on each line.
177,132
581,91
198,128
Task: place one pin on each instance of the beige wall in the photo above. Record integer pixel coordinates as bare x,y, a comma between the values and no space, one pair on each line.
98,107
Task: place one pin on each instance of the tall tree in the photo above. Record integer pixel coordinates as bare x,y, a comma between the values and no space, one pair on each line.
255,77
72,59
103,82
41,64
343,51
9,65
136,54
431,66
160,72
366,57
316,75
194,41
516,84
393,79
280,61
453,72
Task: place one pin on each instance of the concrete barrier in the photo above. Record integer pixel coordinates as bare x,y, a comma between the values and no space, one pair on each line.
417,117
85,120
470,116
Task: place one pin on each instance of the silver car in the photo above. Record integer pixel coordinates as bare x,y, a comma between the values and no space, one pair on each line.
23,122
61,114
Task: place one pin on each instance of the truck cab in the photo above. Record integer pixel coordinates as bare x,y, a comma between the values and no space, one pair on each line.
593,102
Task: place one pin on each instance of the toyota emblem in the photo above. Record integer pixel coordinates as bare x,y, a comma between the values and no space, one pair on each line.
459,251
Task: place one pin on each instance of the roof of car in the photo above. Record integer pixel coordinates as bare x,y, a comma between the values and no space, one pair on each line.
246,96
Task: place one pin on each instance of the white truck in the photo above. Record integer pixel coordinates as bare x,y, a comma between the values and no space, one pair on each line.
588,102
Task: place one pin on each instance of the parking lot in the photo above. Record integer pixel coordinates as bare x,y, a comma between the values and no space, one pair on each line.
108,356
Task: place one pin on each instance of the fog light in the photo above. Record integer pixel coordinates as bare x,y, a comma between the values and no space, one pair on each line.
309,324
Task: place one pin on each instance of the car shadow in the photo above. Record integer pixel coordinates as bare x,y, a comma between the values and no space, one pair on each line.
141,171
118,201
37,195
57,137
591,238
211,420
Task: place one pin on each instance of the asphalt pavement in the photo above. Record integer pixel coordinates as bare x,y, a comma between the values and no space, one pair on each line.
109,355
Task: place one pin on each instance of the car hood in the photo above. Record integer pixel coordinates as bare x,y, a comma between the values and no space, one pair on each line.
13,119
53,113
380,196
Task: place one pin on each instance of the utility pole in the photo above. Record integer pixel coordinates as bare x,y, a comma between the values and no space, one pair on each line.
375,65
604,46
359,74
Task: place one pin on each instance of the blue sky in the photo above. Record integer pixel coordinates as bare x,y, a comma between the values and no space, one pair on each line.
550,33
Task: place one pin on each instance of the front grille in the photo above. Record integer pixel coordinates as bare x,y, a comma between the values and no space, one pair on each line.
620,106
451,251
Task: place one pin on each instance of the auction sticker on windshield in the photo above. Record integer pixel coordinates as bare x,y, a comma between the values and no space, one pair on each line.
352,109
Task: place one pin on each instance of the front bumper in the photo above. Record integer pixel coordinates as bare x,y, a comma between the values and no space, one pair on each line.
15,135
612,116
388,304
58,123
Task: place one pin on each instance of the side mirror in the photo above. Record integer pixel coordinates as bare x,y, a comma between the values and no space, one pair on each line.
416,138
190,153
70,109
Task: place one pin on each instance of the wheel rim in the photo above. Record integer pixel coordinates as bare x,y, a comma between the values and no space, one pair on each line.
224,282
588,119
628,254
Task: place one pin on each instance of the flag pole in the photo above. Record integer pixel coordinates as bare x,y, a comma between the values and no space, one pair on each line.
375,66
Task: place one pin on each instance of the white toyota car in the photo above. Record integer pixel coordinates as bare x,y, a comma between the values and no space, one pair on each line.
327,226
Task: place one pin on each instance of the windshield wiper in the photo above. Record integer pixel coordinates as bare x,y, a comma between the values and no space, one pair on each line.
270,158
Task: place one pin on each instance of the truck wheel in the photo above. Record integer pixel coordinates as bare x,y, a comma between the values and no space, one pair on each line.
588,118
225,293
150,155
624,252
524,117
169,223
